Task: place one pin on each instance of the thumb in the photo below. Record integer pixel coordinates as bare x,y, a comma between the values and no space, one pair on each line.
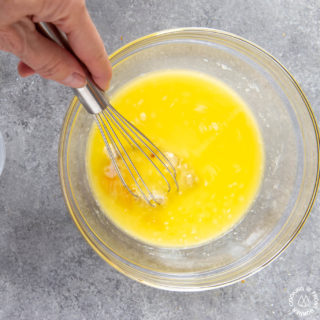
45,57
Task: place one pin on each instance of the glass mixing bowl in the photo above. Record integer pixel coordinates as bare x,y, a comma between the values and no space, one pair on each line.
291,175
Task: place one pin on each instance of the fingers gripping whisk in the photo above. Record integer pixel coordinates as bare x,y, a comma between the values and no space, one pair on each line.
143,169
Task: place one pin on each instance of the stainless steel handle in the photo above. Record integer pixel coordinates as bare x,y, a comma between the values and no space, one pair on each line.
91,97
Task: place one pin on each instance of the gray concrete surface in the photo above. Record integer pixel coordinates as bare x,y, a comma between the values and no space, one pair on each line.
47,270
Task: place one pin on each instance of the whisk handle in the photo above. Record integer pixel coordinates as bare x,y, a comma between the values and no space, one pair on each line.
91,97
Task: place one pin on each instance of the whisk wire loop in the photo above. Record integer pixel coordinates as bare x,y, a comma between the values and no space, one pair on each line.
99,122
147,143
117,131
127,136
114,139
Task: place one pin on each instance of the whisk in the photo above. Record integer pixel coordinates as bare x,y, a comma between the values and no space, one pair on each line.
122,139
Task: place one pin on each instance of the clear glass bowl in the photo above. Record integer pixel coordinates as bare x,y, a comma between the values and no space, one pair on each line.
291,175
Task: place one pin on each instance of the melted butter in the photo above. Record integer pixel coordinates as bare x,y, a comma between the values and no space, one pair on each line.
216,146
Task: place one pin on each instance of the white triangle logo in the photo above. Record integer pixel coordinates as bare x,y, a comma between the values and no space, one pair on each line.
304,301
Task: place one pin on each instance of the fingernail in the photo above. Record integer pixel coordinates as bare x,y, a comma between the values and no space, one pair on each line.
75,80
107,86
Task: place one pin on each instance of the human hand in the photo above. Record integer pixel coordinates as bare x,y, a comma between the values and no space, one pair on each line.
38,54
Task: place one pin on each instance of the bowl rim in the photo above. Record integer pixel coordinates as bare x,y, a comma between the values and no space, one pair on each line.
62,174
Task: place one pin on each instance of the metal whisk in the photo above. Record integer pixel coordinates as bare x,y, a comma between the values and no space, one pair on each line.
122,139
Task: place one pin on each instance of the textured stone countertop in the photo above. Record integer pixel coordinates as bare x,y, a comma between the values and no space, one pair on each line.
47,270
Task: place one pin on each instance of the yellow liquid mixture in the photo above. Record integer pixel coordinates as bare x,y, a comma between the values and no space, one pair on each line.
215,144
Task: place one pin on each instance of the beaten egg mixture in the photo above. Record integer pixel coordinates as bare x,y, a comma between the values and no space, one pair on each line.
211,138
